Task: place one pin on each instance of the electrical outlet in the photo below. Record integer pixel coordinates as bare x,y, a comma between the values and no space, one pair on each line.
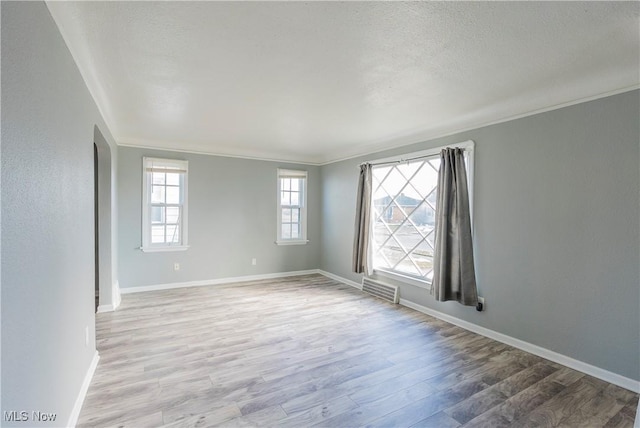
254,262
176,266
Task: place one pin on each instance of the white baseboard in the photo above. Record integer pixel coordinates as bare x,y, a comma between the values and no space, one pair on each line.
116,298
572,363
578,365
115,295
106,308
340,279
75,412
218,281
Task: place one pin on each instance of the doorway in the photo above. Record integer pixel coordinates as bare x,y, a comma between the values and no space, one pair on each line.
105,288
96,212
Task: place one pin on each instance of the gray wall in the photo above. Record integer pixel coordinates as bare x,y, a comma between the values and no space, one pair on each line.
556,230
232,219
48,120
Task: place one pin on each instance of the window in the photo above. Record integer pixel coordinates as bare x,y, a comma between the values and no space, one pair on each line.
164,210
404,197
292,209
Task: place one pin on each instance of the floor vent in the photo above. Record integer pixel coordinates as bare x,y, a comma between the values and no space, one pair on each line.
378,289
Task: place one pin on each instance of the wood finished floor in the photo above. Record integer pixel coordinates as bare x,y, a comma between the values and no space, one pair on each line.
304,351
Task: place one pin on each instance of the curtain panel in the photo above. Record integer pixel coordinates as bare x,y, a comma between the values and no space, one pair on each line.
453,266
362,231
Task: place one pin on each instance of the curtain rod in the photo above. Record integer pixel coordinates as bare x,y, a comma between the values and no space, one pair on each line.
401,160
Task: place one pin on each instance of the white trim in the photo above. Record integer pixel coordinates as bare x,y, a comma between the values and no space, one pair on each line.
606,375
376,146
466,145
164,248
292,242
116,297
340,279
105,308
556,357
229,280
148,145
384,145
75,412
403,279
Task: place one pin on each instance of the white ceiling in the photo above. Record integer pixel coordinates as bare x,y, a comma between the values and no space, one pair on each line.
314,82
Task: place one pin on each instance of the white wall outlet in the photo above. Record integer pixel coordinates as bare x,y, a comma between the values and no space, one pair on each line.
86,336
254,262
176,266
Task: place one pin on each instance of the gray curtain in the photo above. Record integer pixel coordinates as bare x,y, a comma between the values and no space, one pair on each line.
453,268
361,254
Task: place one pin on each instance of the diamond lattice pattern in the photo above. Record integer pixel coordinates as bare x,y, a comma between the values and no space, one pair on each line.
404,200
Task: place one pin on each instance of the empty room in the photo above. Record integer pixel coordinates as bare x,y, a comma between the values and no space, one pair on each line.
332,214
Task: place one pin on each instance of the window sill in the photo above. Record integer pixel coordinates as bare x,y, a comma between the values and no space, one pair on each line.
164,249
299,242
403,278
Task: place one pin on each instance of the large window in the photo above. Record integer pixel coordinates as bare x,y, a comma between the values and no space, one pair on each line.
164,210
404,200
292,207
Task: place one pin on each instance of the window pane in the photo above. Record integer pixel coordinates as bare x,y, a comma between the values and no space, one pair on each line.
295,184
286,198
295,198
424,250
418,213
157,177
426,180
295,231
286,231
157,234
389,256
173,214
173,179
381,234
286,215
407,266
157,215
157,194
173,195
286,183
172,234
295,215
392,184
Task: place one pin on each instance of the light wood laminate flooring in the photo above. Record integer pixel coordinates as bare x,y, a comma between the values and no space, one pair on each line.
305,351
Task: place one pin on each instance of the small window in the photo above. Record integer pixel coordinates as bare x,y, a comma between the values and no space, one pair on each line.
164,205
292,207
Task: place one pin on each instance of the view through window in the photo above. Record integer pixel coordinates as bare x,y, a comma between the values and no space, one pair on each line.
404,200
165,196
292,215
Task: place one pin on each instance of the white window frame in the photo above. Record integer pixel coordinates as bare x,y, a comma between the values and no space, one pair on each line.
181,166
292,173
469,152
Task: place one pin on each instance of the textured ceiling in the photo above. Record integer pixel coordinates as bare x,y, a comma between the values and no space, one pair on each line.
320,81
